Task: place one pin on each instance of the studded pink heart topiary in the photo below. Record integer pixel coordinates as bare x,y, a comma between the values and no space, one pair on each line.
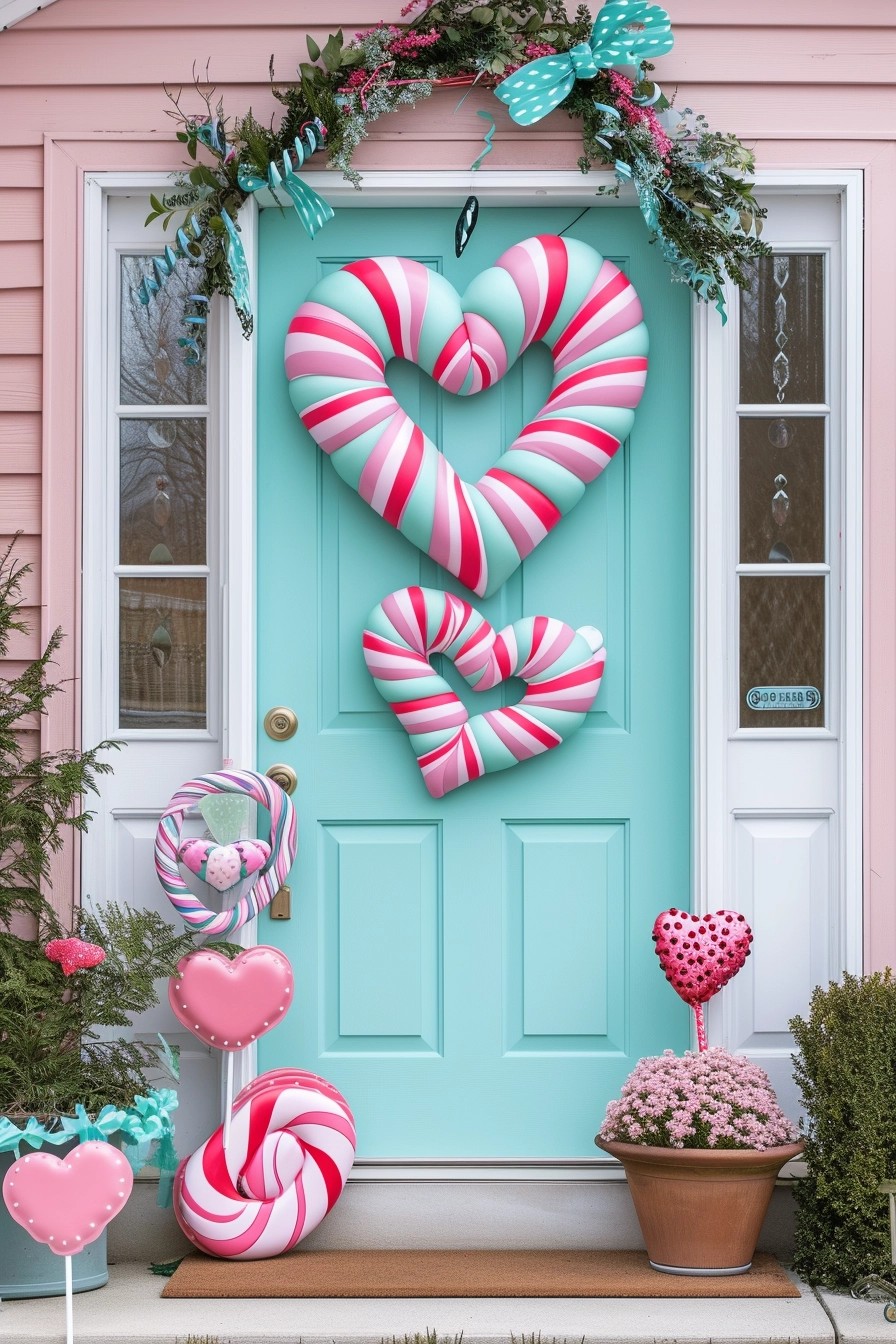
700,953
73,954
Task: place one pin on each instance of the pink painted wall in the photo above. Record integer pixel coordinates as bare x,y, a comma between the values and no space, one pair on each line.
808,84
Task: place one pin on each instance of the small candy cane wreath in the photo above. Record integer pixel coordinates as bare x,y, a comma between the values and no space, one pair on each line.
283,841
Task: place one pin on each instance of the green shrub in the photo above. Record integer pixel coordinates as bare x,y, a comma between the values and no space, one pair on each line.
846,1071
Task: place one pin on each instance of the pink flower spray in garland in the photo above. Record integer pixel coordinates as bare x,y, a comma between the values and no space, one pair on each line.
73,954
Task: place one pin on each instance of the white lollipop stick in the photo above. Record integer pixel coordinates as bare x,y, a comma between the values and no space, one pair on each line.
69,1306
228,1099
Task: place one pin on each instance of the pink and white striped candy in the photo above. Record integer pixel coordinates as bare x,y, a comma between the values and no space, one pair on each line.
291,1147
562,668
551,289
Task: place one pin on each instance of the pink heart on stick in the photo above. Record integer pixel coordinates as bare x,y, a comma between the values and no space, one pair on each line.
223,866
229,1004
65,1202
700,953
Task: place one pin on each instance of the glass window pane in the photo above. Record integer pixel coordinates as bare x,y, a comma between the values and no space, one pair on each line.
782,652
162,653
782,330
163,492
153,371
782,490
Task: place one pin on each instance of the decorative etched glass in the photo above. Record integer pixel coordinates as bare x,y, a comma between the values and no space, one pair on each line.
782,644
782,490
162,653
782,331
152,365
162,492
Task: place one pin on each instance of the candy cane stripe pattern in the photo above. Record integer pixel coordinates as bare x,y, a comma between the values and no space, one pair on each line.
561,666
283,842
291,1148
550,289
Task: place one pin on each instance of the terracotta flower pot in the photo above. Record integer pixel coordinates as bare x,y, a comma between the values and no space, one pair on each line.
700,1209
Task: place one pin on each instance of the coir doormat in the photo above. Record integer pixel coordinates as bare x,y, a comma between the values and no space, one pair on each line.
306,1273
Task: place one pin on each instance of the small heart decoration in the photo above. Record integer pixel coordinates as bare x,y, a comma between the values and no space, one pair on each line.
65,1202
228,1004
73,954
700,953
562,669
223,866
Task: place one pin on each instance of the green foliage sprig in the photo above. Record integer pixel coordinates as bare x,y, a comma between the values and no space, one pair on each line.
690,182
846,1072
57,1041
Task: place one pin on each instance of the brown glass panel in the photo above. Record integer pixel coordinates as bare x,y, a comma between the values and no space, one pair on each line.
782,490
162,653
153,371
782,330
162,492
782,646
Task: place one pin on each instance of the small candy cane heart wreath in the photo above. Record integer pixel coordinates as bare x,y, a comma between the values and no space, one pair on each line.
284,839
562,669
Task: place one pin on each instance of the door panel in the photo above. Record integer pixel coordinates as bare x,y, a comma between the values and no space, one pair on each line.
476,973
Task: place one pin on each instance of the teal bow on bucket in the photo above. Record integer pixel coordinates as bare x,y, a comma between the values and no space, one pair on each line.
625,32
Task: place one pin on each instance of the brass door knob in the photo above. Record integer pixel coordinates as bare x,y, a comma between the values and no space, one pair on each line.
284,775
281,723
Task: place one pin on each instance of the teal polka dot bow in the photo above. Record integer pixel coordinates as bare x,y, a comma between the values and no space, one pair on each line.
625,32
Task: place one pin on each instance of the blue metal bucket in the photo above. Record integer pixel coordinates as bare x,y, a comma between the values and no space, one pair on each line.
30,1269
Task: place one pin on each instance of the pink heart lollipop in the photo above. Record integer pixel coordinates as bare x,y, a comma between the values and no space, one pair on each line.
65,1202
700,953
226,1003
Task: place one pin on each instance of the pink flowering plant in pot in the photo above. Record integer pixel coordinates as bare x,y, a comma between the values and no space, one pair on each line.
701,1136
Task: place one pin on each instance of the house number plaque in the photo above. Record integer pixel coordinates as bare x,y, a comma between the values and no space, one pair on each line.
783,697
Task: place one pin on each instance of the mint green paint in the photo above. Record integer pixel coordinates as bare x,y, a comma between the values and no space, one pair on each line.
477,974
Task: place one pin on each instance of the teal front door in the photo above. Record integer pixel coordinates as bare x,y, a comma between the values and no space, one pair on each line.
476,973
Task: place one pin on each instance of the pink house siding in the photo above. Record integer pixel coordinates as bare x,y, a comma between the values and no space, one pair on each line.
808,85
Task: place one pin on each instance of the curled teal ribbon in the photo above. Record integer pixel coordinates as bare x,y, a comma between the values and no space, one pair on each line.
238,266
163,265
488,146
144,1130
312,209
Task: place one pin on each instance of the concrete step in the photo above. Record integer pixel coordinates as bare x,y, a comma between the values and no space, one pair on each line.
130,1311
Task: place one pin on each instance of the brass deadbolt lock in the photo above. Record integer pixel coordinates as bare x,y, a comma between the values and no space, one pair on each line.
284,775
281,723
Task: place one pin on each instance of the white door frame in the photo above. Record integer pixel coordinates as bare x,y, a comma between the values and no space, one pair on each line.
712,412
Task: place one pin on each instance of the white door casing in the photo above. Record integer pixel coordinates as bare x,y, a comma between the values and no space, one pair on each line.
733,810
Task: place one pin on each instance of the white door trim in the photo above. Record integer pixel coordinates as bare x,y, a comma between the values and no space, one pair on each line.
710,413
715,395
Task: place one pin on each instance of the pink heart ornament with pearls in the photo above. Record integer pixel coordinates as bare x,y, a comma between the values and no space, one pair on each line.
66,1202
223,866
230,1003
700,953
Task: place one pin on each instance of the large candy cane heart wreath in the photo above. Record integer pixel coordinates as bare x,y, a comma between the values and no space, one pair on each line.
550,289
291,1147
284,839
561,666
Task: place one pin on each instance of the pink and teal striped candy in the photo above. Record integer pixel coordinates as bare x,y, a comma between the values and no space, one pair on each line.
551,289
283,842
562,669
